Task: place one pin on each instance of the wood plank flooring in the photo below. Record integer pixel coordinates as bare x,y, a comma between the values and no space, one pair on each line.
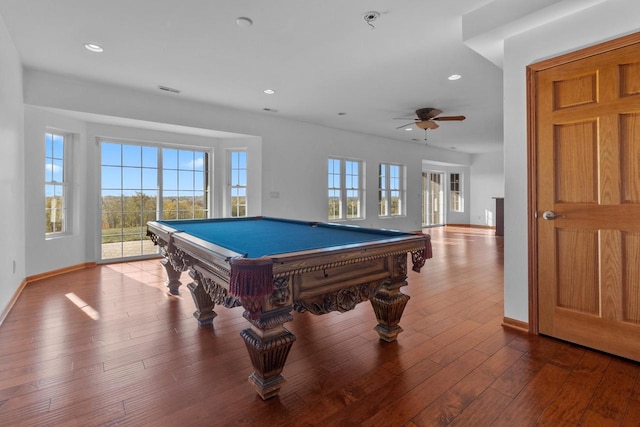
108,346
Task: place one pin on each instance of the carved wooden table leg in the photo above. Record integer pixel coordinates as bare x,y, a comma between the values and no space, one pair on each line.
204,304
388,304
173,276
268,343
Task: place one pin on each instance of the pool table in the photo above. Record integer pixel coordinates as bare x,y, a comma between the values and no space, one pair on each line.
272,266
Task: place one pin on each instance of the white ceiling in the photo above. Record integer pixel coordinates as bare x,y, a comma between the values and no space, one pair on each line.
320,57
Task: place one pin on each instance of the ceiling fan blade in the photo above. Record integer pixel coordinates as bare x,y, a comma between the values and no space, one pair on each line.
427,124
407,125
450,118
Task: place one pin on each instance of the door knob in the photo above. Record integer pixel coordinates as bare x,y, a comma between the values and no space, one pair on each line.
549,215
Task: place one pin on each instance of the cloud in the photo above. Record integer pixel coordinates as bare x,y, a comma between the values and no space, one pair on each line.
49,167
195,164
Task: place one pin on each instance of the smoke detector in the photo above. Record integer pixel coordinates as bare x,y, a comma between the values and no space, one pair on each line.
369,17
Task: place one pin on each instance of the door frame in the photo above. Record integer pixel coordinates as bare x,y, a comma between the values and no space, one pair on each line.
443,193
532,163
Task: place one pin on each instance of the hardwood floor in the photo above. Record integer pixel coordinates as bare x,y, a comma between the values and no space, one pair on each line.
109,346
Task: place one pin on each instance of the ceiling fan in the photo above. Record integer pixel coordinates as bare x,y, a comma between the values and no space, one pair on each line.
427,117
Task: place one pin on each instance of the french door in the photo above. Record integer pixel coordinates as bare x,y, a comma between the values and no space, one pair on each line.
142,183
433,185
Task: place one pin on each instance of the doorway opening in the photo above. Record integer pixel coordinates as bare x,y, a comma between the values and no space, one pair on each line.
433,199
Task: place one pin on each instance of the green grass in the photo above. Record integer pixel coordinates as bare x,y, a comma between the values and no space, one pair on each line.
127,234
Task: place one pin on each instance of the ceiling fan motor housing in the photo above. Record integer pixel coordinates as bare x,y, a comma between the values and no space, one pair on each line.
427,113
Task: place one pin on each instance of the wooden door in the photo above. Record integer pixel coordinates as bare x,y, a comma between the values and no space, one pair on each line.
587,149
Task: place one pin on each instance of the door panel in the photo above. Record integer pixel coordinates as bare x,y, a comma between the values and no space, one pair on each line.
575,167
574,247
587,150
630,149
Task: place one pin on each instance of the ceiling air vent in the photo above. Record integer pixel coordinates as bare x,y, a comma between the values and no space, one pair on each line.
169,89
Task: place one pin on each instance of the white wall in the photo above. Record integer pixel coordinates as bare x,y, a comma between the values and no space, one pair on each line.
603,22
289,179
487,182
12,246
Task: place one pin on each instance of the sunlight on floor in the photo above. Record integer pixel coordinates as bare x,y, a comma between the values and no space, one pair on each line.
86,308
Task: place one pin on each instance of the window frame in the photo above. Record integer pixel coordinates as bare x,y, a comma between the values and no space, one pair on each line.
65,184
160,187
231,188
343,191
458,204
180,172
386,189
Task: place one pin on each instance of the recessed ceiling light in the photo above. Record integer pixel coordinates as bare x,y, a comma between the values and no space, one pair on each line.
244,22
454,77
93,47
408,129
269,91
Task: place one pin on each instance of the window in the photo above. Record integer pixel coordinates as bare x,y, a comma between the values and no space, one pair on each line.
455,193
346,192
55,183
136,180
391,190
184,180
238,183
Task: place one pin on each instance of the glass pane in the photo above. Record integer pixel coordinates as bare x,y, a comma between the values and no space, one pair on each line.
48,145
150,157
199,161
131,178
242,178
111,177
199,183
240,192
57,170
185,180
111,154
58,146
131,155
112,224
48,170
150,200
149,178
185,214
169,158
111,202
185,160
170,179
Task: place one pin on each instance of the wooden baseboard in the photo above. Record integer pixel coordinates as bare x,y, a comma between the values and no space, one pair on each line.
491,227
12,302
515,324
46,275
37,277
